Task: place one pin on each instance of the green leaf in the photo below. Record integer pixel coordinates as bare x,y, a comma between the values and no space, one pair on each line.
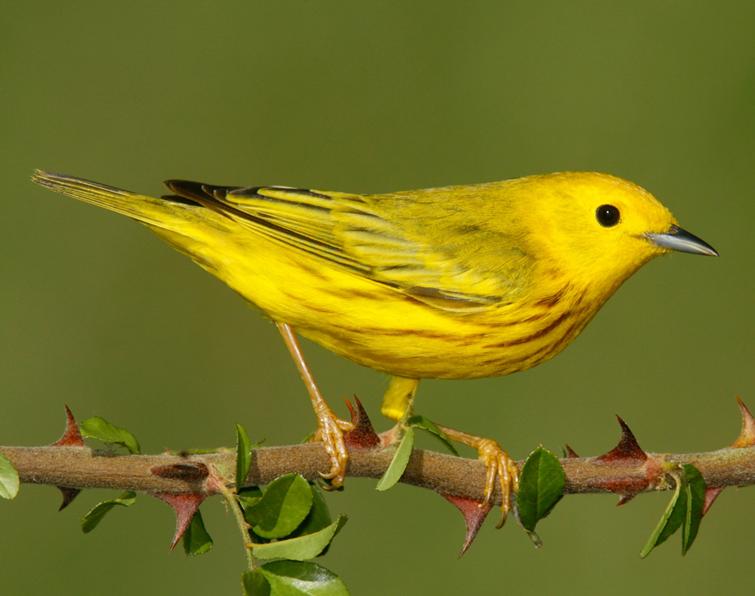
301,548
671,519
284,505
685,510
9,482
399,462
94,516
301,578
243,455
318,517
196,539
541,486
255,583
695,493
428,425
100,429
248,496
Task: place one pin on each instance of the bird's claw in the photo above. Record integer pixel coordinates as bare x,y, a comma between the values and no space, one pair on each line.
330,433
498,466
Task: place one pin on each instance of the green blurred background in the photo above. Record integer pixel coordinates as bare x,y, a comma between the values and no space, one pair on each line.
98,313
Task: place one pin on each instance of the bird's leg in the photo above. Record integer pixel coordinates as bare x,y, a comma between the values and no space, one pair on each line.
330,428
498,466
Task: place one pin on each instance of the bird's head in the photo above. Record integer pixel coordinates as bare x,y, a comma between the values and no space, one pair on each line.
600,228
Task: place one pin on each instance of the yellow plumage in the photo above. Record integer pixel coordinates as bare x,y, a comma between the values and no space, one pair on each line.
455,282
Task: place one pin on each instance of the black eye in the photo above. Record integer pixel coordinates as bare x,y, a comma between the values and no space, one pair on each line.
607,215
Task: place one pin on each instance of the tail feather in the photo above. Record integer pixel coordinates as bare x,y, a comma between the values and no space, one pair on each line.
152,211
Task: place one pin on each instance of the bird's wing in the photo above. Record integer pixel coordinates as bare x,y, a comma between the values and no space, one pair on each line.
355,232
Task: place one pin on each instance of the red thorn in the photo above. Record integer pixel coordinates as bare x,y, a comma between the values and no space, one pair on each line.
628,447
629,452
362,435
624,499
474,514
71,436
570,453
711,494
69,494
747,434
185,505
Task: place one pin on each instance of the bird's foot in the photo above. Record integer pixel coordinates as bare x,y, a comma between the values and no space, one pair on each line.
498,466
500,469
330,432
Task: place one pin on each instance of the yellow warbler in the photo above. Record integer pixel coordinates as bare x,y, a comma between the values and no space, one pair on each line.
456,282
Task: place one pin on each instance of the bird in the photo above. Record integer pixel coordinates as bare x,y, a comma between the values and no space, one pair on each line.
454,282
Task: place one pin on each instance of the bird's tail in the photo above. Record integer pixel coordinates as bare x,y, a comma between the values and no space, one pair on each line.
158,213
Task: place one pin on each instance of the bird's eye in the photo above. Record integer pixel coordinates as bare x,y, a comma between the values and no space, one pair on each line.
607,215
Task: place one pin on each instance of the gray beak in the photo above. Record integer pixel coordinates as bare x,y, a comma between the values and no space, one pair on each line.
678,239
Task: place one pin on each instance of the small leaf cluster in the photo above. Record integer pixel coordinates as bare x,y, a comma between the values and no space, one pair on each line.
289,524
685,510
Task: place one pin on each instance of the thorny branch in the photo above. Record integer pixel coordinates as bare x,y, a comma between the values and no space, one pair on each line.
82,467
626,469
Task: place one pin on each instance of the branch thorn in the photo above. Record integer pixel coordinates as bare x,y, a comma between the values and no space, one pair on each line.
746,436
711,494
474,514
624,499
627,448
184,505
69,494
362,435
71,436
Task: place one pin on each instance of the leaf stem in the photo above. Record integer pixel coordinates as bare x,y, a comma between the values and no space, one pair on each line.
233,503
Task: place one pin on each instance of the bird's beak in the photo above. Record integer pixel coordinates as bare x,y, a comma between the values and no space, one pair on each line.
678,239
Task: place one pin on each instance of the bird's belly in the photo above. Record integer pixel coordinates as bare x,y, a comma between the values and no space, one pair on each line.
384,329
419,354
466,346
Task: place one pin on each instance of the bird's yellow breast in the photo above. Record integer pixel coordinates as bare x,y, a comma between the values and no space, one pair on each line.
388,330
